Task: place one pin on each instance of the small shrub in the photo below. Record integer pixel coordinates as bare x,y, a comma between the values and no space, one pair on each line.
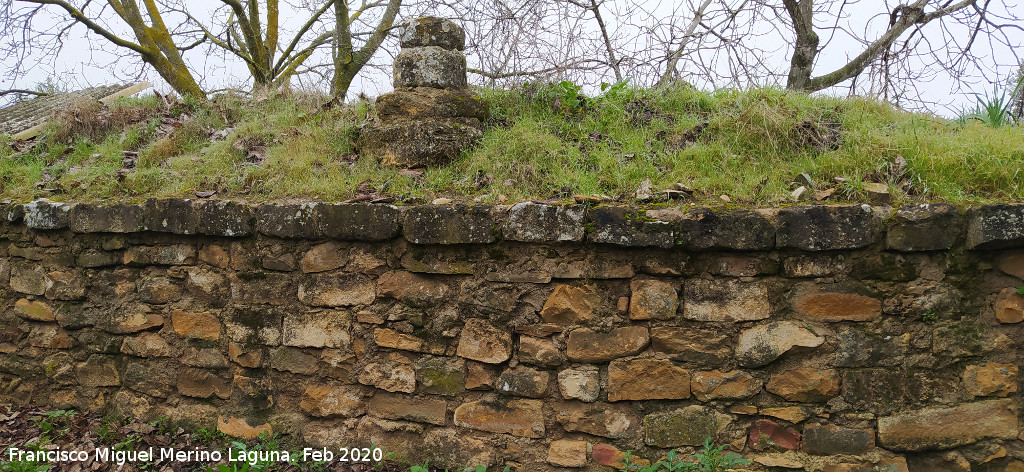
929,317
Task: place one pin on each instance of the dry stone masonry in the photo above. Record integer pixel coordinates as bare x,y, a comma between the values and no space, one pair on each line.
432,116
817,338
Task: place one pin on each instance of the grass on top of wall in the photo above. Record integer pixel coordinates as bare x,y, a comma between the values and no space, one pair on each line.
544,142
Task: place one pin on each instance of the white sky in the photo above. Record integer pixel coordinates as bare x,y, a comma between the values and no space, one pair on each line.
88,59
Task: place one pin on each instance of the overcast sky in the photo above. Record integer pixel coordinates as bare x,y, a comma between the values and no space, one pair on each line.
88,59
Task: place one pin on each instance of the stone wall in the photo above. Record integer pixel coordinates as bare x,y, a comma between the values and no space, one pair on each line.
837,338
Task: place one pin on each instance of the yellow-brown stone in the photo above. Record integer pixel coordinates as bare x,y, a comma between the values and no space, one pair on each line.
647,379
991,379
805,384
196,325
569,304
239,428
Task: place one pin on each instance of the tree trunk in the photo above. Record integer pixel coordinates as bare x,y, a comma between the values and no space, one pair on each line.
805,48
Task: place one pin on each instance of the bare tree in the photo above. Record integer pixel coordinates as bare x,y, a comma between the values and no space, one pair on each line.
151,41
159,33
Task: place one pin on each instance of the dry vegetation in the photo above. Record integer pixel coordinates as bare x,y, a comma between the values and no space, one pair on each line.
544,142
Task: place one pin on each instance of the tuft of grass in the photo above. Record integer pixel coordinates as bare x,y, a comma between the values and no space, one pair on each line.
544,141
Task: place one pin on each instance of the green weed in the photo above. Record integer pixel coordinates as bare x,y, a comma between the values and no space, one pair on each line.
710,458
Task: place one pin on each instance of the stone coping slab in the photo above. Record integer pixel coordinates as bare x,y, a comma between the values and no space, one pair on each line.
812,228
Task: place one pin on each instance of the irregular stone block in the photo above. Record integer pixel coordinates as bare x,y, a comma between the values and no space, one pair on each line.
652,299
451,446
533,222
28,279
480,376
348,222
948,427
240,428
599,419
924,227
701,346
146,345
731,385
294,360
579,384
389,375
991,379
629,227
647,379
884,390
34,310
65,285
46,214
355,222
792,414
152,378
224,218
206,358
337,290
159,291
683,427
805,384
428,102
49,337
585,345
825,228
320,329
725,300
420,143
441,375
570,304
743,265
202,384
817,302
769,435
610,456
93,259
523,381
412,289
432,31
325,401
430,66
196,325
400,407
481,341
739,230
171,215
567,453
112,218
834,440
865,349
442,224
393,339
251,358
1012,263
131,321
1009,306
995,227
762,344
539,352
324,257
519,417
